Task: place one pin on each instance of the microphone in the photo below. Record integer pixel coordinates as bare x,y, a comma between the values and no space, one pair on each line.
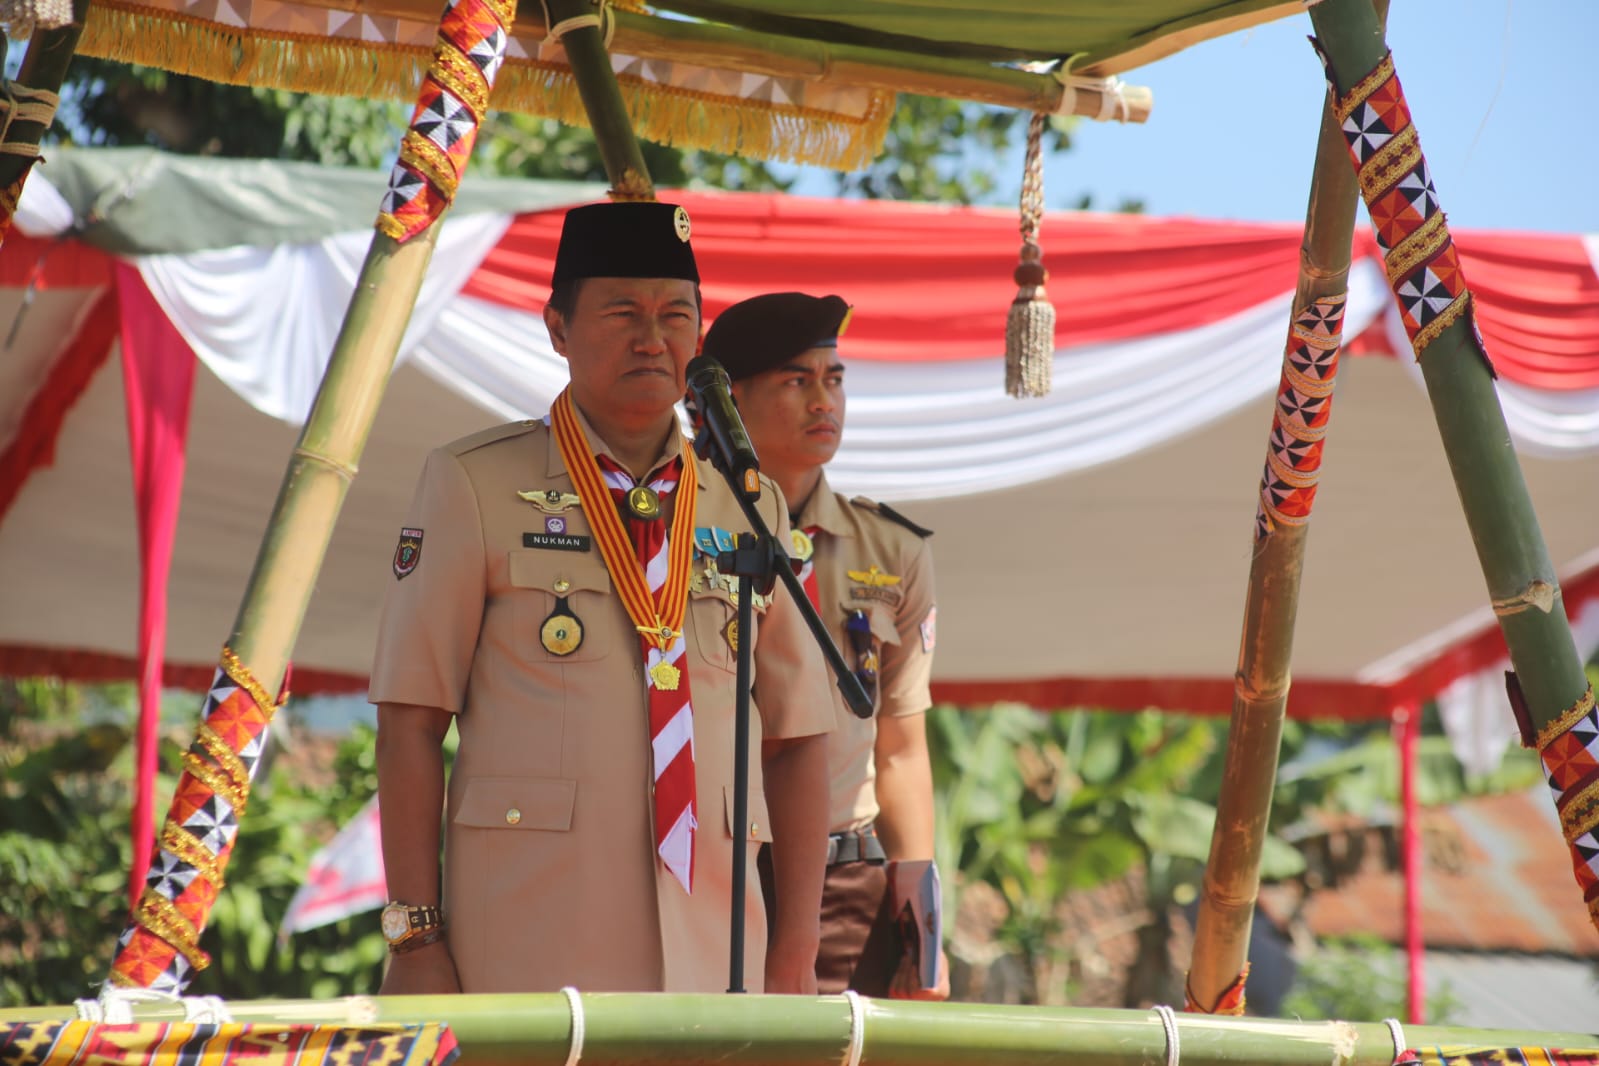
723,433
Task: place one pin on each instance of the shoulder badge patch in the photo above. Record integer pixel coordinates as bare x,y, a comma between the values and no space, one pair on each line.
408,552
930,629
892,515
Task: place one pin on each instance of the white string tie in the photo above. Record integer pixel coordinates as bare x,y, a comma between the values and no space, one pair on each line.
575,1001
1168,1021
114,1006
605,22
206,1010
857,1027
1112,96
1396,1031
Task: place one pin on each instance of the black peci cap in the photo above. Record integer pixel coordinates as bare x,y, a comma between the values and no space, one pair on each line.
635,239
764,332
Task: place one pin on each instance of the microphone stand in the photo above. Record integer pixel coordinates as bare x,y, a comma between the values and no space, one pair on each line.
757,560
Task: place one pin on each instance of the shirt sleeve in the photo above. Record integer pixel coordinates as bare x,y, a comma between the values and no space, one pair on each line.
791,679
428,631
907,667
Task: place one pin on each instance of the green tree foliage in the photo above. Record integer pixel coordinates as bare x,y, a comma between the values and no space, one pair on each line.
1360,979
945,150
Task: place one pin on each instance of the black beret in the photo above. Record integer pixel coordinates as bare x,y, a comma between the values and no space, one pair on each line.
767,331
635,239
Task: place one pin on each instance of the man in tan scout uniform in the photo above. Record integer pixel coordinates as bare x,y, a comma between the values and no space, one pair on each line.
555,597
871,577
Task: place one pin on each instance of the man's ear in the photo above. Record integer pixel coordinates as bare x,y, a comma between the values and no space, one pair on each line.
555,324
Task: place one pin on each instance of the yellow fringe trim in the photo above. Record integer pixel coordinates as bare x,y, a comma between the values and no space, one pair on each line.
668,115
234,667
161,916
1429,333
180,842
1579,814
1421,246
218,782
1391,162
1566,719
1365,87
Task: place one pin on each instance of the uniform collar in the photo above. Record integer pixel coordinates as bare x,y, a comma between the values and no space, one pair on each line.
824,511
554,467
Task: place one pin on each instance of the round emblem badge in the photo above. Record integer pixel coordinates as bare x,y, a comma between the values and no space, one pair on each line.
562,634
644,503
803,545
680,221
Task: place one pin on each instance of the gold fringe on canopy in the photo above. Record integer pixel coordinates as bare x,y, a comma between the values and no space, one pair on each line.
671,114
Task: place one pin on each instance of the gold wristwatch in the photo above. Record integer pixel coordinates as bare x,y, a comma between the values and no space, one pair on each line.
403,922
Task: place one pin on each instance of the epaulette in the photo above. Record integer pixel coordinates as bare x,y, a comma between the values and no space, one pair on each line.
892,515
482,437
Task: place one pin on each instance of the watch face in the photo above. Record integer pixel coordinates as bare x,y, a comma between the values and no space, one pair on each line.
395,923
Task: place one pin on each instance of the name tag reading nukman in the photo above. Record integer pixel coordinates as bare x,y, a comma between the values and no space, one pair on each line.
563,542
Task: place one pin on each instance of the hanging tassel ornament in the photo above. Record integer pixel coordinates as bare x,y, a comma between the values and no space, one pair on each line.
1030,326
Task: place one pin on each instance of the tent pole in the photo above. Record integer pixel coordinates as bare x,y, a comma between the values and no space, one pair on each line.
44,68
1232,873
1549,689
591,67
160,949
1407,730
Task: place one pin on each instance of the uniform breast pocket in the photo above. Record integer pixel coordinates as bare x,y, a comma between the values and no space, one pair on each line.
713,614
562,606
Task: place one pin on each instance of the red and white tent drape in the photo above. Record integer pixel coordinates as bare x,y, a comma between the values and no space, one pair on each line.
1164,327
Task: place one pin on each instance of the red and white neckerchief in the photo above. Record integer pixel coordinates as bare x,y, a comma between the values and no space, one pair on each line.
650,570
805,555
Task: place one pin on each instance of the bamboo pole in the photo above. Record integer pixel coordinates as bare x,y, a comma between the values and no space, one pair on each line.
43,69
677,1030
1510,547
1261,683
161,949
602,99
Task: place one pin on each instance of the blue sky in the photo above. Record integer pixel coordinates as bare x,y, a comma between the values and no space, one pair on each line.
1505,95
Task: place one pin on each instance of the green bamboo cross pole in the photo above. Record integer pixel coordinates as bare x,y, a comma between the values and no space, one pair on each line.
591,67
1510,546
43,69
678,1030
1261,683
1549,691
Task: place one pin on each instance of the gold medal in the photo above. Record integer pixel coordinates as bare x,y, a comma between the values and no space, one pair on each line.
663,675
804,547
562,632
644,503
731,632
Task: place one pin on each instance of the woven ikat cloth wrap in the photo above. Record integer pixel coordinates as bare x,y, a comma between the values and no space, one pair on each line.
1299,421
1514,1056
1569,750
449,110
79,1043
1422,263
160,949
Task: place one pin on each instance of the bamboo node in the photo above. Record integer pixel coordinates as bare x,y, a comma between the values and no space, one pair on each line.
1538,593
345,470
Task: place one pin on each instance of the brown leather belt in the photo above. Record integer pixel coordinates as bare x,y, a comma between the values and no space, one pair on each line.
856,845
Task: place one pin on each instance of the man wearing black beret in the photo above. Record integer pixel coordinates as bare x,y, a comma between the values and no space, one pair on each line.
554,597
869,572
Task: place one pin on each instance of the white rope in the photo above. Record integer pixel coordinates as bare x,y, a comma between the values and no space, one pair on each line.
1168,1021
605,22
1112,95
575,1001
206,1010
857,1027
1398,1033
114,1006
